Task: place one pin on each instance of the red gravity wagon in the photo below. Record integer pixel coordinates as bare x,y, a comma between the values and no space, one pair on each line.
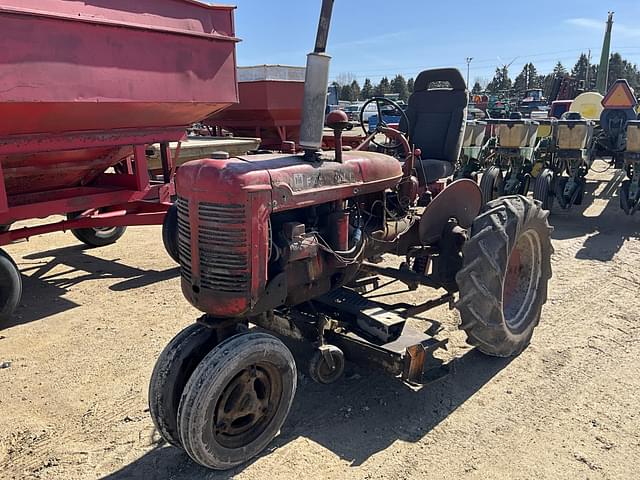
85,86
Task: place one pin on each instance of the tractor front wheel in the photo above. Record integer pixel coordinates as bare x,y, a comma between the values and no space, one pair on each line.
236,400
503,282
171,373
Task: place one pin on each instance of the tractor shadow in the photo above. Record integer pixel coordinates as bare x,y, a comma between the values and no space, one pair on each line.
605,232
48,276
362,414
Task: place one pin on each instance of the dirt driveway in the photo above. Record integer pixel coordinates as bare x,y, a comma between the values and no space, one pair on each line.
73,399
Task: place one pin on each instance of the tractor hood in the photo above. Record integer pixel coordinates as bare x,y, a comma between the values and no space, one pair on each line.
292,181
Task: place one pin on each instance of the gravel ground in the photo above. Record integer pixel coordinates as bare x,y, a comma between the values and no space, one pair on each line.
92,322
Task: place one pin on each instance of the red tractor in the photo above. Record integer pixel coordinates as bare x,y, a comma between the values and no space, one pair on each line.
289,243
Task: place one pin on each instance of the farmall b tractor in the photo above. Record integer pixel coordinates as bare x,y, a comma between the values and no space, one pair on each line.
286,242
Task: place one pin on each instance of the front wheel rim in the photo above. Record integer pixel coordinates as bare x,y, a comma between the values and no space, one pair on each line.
247,405
522,279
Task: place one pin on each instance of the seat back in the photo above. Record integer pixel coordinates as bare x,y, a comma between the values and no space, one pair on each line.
437,114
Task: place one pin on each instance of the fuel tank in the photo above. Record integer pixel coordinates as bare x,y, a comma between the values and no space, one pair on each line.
224,207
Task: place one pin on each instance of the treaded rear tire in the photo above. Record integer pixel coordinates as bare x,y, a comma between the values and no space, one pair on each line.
494,234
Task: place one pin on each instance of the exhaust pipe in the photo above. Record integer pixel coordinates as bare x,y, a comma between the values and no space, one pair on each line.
316,83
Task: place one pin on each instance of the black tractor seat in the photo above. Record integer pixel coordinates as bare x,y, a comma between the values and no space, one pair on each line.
436,111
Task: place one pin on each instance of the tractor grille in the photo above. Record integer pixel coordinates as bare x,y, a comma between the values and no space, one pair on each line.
184,238
223,248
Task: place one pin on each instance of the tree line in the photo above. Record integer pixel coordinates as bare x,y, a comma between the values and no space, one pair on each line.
349,89
583,71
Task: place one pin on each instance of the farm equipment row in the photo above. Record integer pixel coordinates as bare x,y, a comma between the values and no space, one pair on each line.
553,156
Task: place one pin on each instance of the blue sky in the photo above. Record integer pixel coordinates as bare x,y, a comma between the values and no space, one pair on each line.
372,38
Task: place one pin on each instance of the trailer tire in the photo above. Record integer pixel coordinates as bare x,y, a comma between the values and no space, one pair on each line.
491,184
10,286
96,237
543,189
171,373
236,400
170,233
504,278
624,196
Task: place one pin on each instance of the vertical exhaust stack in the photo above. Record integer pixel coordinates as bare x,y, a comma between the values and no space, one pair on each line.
315,86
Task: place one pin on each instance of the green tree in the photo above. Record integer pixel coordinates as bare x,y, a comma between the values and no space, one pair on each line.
367,90
355,88
382,88
399,86
526,79
410,83
500,81
559,69
581,69
477,88
346,93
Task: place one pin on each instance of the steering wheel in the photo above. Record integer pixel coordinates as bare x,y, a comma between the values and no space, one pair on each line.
379,101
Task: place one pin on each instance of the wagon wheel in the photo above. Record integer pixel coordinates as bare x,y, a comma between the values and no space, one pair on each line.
491,184
625,204
98,236
543,188
10,286
236,400
503,282
170,233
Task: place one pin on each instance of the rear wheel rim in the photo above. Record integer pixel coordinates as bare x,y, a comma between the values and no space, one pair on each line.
522,279
247,405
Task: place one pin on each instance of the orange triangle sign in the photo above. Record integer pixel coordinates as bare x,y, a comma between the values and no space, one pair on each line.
620,96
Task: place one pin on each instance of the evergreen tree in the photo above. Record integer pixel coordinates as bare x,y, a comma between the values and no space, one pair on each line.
581,68
477,88
367,90
382,88
559,70
410,83
500,81
399,85
346,93
526,79
355,88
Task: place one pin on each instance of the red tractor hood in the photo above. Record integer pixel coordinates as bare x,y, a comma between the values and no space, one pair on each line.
293,181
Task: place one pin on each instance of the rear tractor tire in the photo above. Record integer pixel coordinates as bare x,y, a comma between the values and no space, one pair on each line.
236,400
504,278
